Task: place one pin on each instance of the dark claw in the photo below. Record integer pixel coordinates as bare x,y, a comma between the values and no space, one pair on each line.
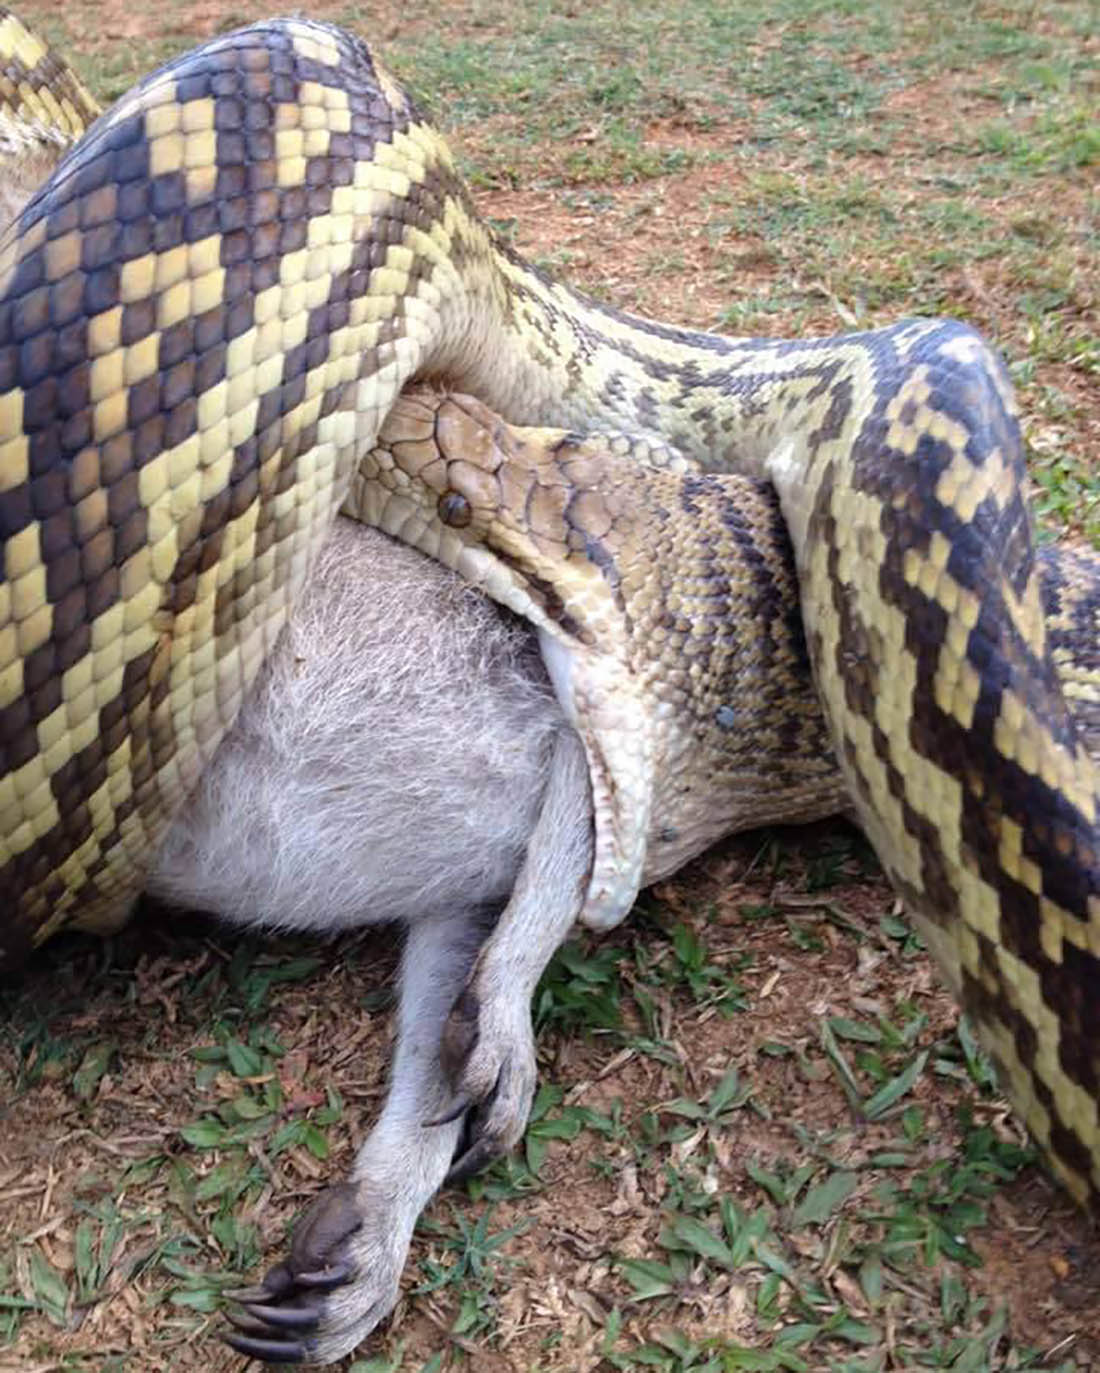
277,1284
484,1150
289,1298
248,1325
246,1295
281,1317
325,1279
267,1351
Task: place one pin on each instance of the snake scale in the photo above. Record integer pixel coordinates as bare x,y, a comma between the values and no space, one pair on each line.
207,318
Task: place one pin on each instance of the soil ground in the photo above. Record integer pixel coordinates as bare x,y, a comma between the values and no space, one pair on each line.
789,168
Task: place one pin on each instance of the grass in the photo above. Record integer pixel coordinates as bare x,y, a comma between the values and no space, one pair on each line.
761,1141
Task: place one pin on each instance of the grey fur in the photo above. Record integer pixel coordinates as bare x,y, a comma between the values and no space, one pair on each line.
389,764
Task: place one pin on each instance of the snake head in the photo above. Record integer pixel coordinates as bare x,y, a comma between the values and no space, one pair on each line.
547,523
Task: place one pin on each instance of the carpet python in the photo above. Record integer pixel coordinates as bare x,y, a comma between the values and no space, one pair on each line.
207,317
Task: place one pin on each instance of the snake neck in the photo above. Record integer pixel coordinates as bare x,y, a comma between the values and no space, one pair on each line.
542,353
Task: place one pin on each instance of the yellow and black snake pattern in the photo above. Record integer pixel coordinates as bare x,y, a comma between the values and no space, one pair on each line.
44,109
206,317
41,97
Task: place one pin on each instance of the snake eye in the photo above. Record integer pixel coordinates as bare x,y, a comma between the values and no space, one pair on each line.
454,509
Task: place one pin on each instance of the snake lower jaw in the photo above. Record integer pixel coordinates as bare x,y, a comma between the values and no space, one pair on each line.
603,704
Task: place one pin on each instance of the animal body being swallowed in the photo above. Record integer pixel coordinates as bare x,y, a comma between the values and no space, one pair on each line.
473,798
209,315
403,758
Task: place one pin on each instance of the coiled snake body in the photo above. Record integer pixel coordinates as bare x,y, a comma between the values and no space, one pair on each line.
207,317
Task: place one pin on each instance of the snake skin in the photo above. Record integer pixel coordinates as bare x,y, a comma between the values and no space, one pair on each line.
207,315
668,607
41,97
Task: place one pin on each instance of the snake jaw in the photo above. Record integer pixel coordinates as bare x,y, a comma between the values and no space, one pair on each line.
603,704
453,480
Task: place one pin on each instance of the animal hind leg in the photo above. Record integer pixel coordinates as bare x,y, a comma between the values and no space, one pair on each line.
343,1271
488,1048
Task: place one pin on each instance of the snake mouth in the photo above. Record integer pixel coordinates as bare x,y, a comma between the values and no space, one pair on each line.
543,593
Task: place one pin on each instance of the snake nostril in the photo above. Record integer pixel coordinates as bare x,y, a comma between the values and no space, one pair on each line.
454,509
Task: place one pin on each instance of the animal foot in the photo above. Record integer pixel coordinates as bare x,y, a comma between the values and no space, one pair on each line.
488,1055
339,1280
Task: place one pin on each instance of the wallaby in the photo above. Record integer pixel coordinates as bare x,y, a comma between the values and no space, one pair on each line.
403,757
